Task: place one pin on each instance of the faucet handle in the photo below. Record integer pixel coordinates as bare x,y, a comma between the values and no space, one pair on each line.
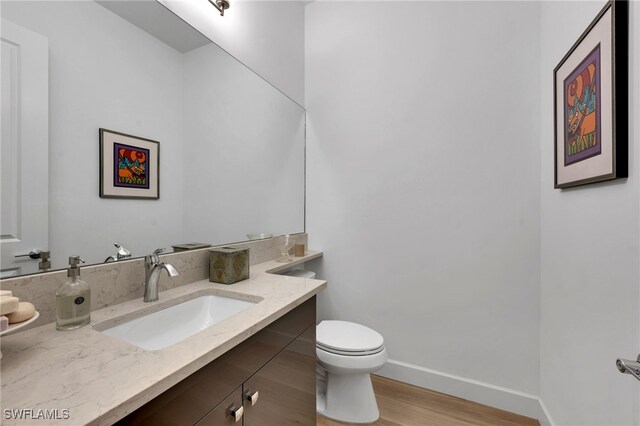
152,259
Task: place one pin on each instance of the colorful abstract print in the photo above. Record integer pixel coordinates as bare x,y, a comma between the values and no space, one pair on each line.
131,166
582,110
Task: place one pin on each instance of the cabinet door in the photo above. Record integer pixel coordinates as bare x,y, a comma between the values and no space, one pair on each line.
191,399
228,412
286,387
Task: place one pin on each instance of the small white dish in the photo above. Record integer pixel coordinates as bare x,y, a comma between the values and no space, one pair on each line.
15,327
18,326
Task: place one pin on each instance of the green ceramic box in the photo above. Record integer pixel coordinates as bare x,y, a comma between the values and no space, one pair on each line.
228,265
189,246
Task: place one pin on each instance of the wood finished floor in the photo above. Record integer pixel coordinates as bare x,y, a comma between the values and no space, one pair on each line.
406,405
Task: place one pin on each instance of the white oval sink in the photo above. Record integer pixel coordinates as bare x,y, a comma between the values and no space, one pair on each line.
168,326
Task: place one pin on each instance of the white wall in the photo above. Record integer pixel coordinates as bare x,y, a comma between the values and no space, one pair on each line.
590,257
95,82
267,36
423,180
245,169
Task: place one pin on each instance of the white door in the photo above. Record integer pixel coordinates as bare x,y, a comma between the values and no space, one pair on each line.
24,154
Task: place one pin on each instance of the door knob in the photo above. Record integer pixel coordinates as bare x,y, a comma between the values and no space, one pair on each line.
626,366
33,254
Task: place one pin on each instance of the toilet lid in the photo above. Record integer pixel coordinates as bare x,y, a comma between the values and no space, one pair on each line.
344,336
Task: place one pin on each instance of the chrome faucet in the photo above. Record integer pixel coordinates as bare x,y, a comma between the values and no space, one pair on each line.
122,253
152,269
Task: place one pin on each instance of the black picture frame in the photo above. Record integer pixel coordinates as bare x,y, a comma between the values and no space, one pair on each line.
618,105
111,187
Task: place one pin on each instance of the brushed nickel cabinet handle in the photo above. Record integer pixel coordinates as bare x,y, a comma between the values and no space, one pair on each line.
253,397
236,412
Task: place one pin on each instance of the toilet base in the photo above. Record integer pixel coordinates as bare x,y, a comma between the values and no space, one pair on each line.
348,398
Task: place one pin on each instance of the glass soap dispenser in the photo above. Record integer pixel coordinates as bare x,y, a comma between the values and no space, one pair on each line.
73,299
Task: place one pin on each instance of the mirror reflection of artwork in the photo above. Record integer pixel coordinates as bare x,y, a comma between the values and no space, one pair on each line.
132,170
582,110
129,166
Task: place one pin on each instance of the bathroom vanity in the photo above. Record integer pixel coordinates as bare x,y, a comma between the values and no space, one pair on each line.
269,379
261,359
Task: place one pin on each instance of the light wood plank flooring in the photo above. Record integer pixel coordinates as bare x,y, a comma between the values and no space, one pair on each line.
406,405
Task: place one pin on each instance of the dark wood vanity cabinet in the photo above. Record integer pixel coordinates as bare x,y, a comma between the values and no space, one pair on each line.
286,386
278,363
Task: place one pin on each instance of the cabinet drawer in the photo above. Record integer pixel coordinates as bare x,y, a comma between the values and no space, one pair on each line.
192,398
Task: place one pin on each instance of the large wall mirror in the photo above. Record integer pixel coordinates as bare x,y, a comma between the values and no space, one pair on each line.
231,146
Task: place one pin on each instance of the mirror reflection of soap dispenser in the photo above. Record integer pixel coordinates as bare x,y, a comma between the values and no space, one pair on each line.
73,299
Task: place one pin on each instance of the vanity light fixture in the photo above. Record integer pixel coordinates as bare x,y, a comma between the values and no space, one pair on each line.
221,5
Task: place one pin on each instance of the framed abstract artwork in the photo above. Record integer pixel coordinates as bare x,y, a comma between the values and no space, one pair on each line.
129,166
590,88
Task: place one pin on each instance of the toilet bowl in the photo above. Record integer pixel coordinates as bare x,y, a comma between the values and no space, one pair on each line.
347,354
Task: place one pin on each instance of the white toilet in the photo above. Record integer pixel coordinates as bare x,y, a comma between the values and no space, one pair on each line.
347,353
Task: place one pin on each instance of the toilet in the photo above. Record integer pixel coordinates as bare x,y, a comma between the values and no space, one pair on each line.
347,354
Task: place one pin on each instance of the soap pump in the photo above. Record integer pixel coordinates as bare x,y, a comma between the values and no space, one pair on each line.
73,299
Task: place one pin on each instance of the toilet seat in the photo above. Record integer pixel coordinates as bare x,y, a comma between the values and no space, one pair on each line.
341,364
348,338
349,353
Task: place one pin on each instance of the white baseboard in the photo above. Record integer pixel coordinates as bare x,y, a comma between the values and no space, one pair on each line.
472,390
543,415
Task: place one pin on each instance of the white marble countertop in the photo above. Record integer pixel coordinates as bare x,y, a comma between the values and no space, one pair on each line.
100,379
